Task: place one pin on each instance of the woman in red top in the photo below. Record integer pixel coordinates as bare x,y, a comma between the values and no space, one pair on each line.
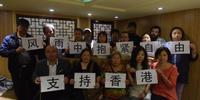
167,76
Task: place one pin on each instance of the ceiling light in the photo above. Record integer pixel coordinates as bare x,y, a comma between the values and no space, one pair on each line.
89,14
86,1
1,5
51,10
116,17
160,8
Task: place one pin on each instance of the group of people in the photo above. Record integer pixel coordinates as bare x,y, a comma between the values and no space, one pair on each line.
26,67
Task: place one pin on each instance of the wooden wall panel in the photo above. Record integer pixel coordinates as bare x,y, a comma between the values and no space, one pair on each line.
189,20
6,26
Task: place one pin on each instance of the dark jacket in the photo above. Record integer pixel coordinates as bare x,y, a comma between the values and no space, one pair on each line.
135,38
8,49
42,69
183,65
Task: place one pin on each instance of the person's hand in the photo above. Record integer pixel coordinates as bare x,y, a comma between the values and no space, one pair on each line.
193,47
37,80
102,81
127,82
71,81
141,96
66,80
20,49
97,85
66,50
159,71
131,70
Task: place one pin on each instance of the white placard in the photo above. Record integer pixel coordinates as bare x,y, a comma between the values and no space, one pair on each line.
101,49
76,47
151,47
178,47
84,80
125,47
59,42
146,77
115,80
52,83
32,43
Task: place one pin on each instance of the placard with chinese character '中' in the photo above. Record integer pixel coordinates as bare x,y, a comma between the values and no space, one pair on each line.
76,47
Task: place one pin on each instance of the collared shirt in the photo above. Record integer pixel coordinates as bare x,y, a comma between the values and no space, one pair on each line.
52,68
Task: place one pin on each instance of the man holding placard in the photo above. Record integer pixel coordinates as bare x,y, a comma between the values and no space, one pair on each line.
20,62
49,31
52,74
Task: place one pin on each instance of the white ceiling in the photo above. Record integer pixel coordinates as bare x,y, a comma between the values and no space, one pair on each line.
103,9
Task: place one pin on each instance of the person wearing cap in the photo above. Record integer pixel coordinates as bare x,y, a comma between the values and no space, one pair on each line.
20,62
87,36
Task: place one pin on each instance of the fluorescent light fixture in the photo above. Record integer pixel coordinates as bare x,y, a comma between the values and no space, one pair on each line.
86,1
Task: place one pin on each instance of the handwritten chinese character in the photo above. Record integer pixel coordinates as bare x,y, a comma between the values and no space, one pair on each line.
146,76
84,80
32,43
124,48
52,82
115,80
179,47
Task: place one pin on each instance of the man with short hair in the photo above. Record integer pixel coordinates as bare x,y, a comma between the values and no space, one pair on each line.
78,35
52,65
155,34
20,62
49,31
133,36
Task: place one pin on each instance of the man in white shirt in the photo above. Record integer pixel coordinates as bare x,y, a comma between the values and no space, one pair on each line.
52,65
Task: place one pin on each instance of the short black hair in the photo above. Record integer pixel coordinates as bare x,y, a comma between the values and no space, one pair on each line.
179,28
132,24
84,50
124,32
23,22
102,33
78,29
159,50
156,27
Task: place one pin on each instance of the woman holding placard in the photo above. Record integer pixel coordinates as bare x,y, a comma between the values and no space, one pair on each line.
114,66
167,76
86,65
138,61
182,61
